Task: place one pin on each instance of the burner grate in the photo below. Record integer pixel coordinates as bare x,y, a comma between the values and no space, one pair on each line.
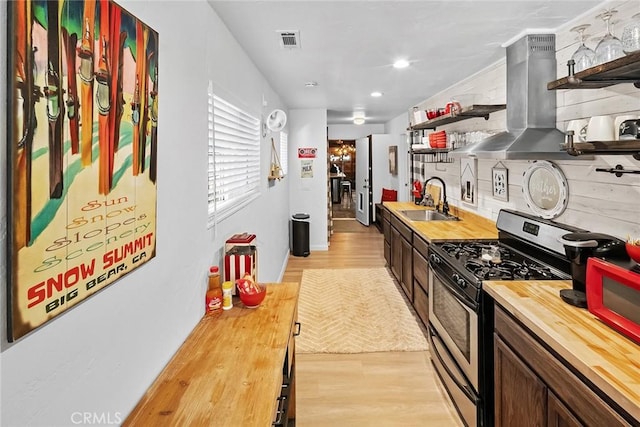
505,264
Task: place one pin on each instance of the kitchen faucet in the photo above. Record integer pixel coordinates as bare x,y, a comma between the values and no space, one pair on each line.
445,205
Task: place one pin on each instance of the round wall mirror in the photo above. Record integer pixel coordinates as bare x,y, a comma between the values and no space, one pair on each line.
545,189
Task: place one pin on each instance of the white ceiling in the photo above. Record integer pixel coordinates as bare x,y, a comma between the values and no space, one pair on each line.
348,47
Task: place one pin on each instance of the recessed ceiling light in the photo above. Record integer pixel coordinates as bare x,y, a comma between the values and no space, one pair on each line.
311,84
358,121
401,63
376,94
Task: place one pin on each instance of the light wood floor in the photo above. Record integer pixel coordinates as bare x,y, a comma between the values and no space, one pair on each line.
374,389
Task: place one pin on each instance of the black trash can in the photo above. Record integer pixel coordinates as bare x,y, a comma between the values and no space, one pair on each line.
300,234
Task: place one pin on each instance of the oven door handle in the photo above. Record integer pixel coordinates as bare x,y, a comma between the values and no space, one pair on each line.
459,295
435,339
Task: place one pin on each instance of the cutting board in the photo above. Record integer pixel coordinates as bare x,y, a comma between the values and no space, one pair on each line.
434,190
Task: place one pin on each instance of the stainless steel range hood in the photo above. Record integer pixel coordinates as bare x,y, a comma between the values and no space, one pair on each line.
531,108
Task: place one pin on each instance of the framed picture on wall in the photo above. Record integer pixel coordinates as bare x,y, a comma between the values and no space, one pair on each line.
500,182
393,159
81,162
469,181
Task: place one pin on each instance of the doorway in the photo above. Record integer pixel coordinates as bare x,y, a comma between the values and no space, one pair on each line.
342,175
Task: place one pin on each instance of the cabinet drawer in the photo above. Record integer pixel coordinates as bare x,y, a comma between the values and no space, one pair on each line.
291,348
386,214
421,246
407,269
387,253
386,230
420,269
575,394
403,229
421,302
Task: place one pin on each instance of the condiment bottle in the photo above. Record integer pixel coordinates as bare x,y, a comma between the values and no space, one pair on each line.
214,278
227,301
214,293
214,299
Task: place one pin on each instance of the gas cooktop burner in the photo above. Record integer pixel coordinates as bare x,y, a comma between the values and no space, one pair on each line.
473,249
508,270
490,260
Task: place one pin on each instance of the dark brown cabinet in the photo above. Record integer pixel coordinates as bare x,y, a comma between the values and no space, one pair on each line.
516,384
421,279
386,230
396,254
559,415
387,252
401,255
406,254
534,386
407,269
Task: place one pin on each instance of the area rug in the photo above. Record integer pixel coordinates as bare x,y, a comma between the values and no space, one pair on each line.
355,311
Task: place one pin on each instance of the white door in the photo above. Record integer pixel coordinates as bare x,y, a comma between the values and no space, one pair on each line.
363,184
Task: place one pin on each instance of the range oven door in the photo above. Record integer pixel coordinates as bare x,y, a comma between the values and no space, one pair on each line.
461,392
455,319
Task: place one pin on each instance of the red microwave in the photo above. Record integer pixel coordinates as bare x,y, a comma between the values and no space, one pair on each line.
613,295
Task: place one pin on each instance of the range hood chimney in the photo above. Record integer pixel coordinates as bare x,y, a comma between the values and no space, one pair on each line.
531,108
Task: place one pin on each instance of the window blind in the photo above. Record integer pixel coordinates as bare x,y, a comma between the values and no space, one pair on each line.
234,158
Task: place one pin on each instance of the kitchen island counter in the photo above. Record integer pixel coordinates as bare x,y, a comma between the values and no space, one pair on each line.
601,355
229,371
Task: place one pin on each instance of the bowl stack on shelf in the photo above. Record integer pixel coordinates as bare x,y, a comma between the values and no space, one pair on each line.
438,139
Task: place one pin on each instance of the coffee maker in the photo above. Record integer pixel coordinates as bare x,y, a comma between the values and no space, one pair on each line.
578,248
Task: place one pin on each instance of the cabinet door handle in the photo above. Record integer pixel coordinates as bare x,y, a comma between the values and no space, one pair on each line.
298,328
281,402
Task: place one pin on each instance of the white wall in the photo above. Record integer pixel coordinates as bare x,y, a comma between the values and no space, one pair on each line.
381,177
353,131
597,201
236,79
308,129
397,127
103,354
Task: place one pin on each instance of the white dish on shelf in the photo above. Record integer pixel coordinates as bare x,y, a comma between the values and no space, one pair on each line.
600,129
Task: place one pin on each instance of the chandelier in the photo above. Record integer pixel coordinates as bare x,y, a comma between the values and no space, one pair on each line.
345,151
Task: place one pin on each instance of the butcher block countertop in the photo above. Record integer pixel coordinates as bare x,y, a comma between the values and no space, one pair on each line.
605,357
470,226
228,372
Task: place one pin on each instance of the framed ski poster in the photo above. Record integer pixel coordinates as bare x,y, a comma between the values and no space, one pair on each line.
82,153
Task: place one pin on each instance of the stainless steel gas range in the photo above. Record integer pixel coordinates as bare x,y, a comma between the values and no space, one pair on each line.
460,323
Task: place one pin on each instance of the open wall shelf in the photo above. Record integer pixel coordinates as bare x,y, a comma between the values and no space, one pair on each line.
628,147
621,70
435,155
465,113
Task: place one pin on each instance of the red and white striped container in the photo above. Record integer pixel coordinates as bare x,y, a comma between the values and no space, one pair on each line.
240,258
243,239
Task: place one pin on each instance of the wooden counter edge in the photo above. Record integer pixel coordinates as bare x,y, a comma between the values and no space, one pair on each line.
552,339
146,410
475,226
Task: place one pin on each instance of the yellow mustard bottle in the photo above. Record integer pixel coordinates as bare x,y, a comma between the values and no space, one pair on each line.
227,301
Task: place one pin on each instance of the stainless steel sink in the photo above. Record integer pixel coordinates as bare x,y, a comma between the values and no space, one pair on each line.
427,215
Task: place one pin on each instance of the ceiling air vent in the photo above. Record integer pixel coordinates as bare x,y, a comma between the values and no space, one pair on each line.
289,39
